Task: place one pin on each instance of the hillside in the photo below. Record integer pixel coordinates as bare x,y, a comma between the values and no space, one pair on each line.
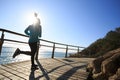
110,42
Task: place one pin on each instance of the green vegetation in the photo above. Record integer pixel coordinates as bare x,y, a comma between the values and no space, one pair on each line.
110,42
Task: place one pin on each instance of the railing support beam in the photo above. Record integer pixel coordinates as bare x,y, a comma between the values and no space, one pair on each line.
66,51
1,41
78,50
53,50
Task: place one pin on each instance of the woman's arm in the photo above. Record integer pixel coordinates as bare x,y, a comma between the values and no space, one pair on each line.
27,31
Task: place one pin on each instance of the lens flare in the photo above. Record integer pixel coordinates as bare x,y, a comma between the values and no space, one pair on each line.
30,19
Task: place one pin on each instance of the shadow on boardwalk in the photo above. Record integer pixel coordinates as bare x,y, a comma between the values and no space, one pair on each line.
61,75
45,74
69,73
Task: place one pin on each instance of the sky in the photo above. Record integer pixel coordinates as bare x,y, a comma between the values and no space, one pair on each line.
74,22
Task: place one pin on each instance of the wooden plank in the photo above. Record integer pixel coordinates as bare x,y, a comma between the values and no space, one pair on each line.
49,69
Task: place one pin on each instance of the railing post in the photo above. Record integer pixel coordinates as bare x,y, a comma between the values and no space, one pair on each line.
1,41
78,50
36,57
53,50
66,51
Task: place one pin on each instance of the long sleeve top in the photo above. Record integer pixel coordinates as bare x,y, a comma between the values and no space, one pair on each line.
34,32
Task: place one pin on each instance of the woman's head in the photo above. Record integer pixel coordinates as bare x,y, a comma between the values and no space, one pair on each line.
36,20
35,14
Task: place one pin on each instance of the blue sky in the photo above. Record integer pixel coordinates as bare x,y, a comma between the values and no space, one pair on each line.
75,22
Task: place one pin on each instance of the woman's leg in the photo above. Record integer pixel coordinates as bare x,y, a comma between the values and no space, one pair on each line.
18,52
25,52
33,47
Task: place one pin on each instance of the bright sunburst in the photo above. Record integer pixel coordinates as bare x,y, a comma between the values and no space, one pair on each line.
30,18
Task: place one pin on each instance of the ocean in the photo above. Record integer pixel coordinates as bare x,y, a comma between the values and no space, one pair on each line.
7,52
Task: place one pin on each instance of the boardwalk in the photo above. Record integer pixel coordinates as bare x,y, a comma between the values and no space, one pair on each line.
49,69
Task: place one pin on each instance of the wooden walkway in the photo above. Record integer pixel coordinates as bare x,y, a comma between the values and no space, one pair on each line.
49,69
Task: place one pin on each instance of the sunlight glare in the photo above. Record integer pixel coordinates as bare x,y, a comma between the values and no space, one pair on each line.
30,18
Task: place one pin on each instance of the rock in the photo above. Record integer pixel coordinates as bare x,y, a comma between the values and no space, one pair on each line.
97,65
99,76
105,66
110,65
115,76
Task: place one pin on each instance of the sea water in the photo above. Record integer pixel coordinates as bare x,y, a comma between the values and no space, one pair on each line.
7,53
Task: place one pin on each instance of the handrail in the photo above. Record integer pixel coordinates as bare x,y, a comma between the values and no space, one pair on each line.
54,43
4,30
40,44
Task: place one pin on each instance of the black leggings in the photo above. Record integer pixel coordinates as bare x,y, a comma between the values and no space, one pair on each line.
33,47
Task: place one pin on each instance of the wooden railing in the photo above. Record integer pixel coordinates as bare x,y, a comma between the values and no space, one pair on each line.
2,39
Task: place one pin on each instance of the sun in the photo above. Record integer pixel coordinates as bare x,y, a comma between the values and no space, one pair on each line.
30,18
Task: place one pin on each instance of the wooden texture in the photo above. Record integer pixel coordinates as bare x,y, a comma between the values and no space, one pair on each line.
49,69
